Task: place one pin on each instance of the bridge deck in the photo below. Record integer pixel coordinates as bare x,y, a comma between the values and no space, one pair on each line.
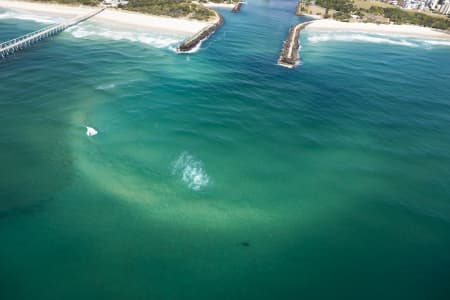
24,41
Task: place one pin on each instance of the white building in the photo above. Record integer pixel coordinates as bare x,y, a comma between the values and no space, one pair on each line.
114,3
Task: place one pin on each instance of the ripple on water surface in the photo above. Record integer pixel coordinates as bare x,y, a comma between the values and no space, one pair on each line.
191,171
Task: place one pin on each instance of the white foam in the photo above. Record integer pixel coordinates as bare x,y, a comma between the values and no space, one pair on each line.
359,37
437,42
196,48
29,17
190,171
153,39
106,86
193,50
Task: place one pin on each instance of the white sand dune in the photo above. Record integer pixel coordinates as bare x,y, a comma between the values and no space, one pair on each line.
401,30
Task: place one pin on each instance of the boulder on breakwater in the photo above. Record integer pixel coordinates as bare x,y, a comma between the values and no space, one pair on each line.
289,56
237,7
203,34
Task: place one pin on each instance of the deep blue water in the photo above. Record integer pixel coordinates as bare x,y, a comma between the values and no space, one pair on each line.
219,174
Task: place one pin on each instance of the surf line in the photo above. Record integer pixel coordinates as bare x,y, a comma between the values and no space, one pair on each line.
190,43
289,56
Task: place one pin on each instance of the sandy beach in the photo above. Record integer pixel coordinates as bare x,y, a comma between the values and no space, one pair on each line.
111,16
220,5
401,30
315,17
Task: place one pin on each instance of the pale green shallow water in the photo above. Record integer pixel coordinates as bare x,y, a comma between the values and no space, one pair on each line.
220,175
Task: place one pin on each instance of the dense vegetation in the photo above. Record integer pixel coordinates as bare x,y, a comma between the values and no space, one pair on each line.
73,2
399,16
219,1
346,8
171,8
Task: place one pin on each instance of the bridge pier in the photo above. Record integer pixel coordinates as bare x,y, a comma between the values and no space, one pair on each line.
25,41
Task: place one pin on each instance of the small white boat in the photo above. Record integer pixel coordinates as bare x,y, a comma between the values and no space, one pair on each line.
90,131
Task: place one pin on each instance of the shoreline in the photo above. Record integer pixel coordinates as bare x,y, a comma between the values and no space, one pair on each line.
113,17
391,29
315,17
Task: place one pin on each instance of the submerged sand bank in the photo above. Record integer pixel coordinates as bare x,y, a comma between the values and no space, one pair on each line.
403,30
111,16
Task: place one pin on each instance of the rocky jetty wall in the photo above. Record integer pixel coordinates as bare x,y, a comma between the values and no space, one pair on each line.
289,56
237,7
190,43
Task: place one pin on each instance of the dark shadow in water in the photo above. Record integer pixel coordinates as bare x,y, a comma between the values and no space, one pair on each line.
30,207
35,159
244,244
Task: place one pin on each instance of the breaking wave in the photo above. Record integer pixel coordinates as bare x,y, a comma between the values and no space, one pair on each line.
193,50
153,39
358,37
191,171
437,42
29,17
375,38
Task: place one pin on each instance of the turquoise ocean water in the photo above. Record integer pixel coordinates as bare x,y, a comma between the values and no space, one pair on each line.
218,174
